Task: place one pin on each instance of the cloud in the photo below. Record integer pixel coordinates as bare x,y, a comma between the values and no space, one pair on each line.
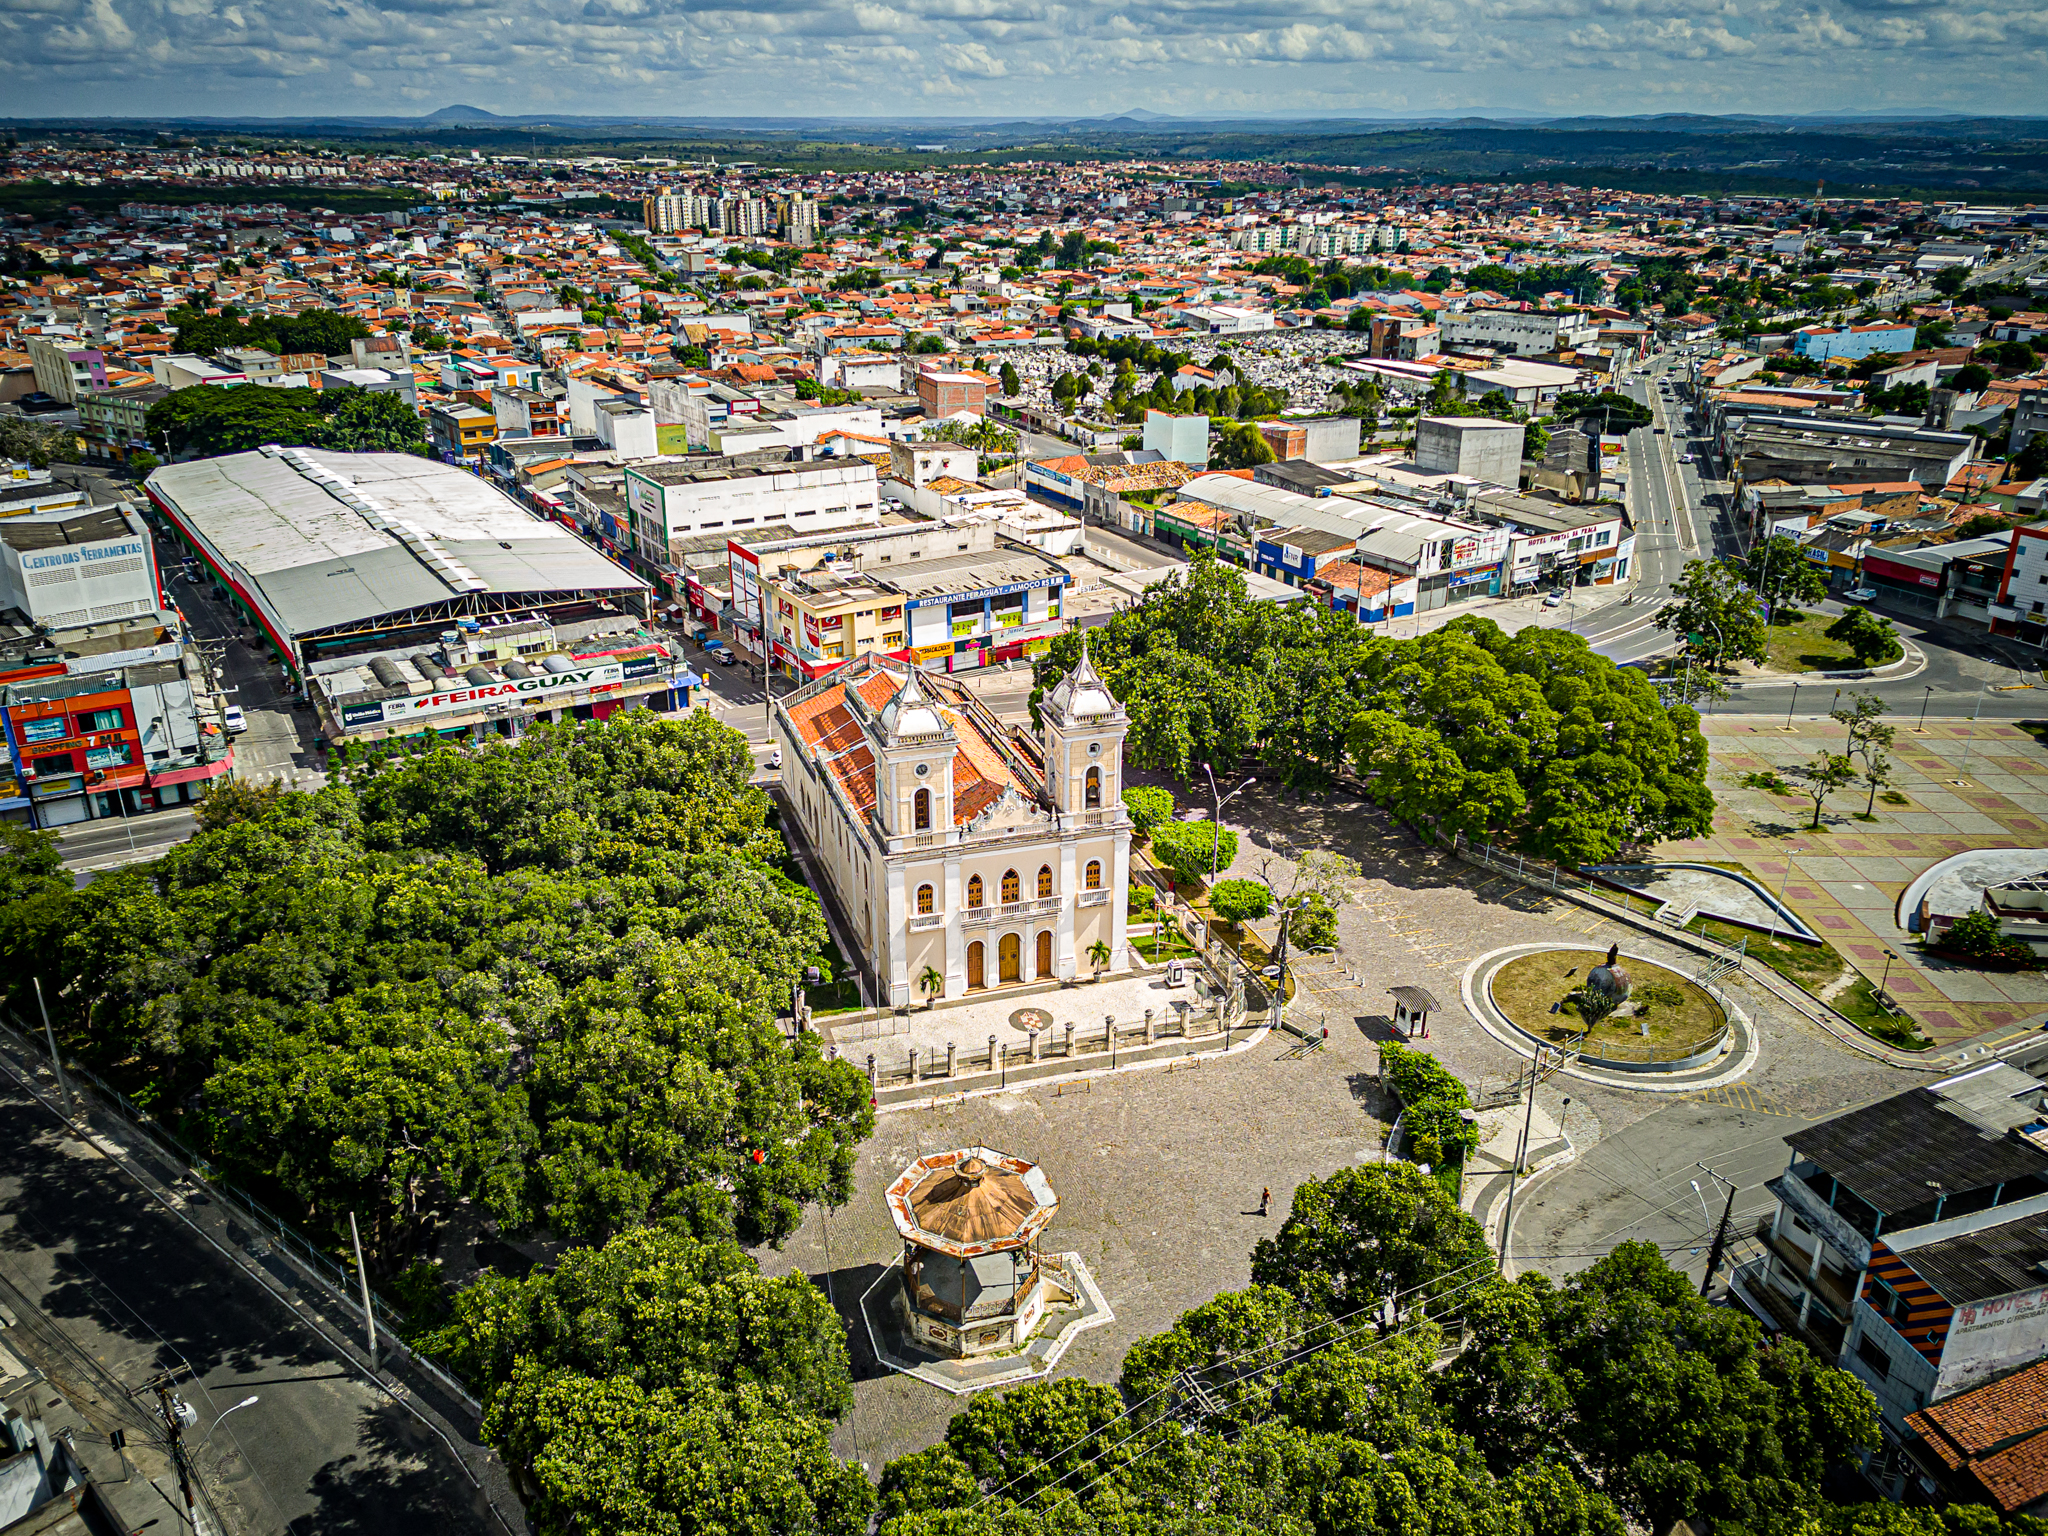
1023,57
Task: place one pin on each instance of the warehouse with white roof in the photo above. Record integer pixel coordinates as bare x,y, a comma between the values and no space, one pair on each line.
405,594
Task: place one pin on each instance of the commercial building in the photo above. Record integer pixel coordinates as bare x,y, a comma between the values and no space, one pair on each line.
66,568
951,613
115,422
673,500
1824,449
1908,1242
1477,446
1517,333
954,849
396,590
64,369
1849,342
131,728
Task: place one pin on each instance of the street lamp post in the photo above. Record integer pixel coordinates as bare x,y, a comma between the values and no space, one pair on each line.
1886,981
1216,830
1971,741
248,1402
1792,706
1920,728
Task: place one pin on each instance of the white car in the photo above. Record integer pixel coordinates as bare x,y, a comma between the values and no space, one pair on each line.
1553,600
233,718
1860,595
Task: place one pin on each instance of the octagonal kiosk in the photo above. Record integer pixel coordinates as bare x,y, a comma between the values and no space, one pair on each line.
973,1279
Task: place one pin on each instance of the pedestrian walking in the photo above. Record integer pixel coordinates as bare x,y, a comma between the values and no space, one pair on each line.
1265,1200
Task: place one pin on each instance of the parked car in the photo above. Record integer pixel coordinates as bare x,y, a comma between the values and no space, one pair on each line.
235,720
775,758
726,657
1860,595
1553,600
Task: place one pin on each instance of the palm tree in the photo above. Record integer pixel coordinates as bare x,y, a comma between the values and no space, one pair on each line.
931,984
1098,956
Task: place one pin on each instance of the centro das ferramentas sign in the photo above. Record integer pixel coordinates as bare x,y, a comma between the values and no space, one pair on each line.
512,690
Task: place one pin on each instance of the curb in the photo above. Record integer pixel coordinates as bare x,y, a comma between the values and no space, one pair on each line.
1913,663
1795,998
1739,1023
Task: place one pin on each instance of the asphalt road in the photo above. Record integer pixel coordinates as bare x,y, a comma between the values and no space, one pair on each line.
136,1290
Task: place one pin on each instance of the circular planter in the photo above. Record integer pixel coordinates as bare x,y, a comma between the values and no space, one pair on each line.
1699,1053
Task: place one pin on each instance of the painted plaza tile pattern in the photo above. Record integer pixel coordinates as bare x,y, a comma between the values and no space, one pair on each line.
1965,786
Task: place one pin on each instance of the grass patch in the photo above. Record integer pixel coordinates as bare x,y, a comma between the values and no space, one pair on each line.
1814,967
1527,990
1450,1178
1893,797
1765,780
1800,645
1161,947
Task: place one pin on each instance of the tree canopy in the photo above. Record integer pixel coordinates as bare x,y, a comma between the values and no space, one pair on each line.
1615,1400
541,976
1530,738
208,422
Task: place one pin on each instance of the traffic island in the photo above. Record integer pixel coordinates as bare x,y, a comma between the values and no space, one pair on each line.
1646,1026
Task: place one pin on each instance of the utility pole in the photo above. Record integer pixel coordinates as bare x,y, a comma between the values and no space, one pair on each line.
174,1410
1536,1075
1720,1232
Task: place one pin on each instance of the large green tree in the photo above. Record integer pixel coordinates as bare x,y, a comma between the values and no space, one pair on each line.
1531,739
1717,614
1368,1233
374,421
1777,570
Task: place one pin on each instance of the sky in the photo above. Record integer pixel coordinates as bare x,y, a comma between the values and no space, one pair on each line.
909,58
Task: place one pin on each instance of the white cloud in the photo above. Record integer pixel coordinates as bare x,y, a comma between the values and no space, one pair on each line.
1022,57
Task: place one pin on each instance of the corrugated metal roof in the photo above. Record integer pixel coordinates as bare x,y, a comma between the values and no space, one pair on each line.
336,539
1889,1152
1992,1262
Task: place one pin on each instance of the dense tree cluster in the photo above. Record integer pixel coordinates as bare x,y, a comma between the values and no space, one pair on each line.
325,331
540,976
1318,1401
659,1386
1530,738
207,422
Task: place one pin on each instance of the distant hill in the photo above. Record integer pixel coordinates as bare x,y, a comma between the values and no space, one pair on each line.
459,114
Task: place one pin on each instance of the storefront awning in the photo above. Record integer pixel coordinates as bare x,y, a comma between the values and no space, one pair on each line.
192,774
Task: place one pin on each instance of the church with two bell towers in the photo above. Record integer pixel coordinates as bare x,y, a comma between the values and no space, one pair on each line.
962,855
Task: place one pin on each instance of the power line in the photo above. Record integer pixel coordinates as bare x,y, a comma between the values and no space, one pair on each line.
1480,1264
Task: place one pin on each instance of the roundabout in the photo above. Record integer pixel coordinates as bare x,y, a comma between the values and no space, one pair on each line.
1628,1022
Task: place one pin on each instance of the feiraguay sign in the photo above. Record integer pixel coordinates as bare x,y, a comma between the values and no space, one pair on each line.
513,690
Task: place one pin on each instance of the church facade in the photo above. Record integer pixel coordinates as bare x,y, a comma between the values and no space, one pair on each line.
963,855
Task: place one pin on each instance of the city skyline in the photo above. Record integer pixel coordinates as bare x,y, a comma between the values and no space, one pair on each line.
1016,57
